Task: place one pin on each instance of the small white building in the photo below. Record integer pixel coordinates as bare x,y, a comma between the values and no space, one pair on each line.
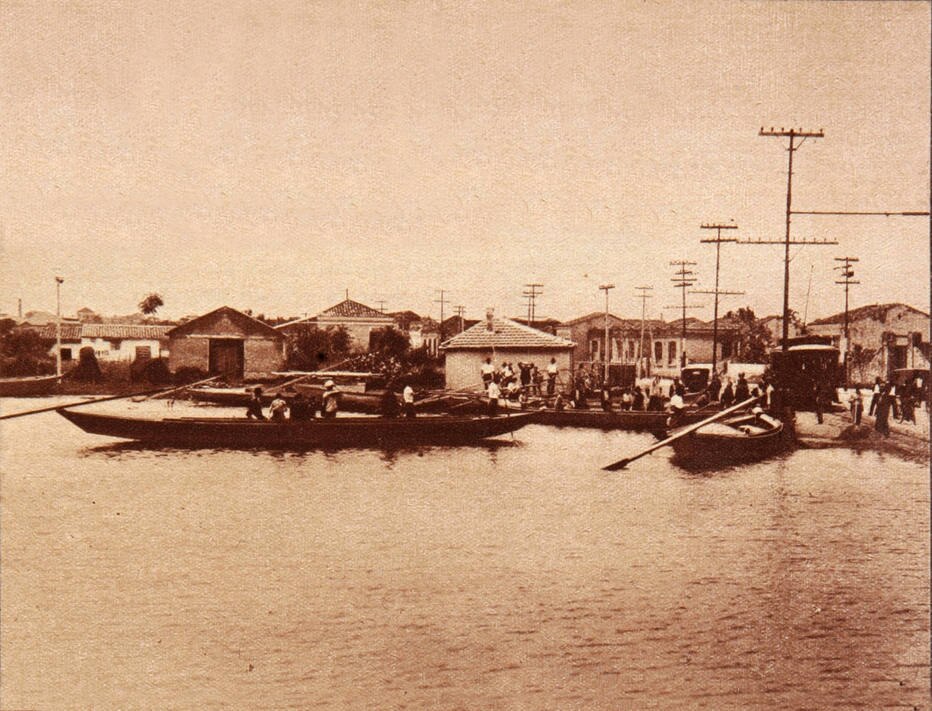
125,342
501,339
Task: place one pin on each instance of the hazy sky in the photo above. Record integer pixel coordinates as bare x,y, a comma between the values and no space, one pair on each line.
271,155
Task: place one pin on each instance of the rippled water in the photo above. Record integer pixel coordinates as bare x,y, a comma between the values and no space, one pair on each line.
516,576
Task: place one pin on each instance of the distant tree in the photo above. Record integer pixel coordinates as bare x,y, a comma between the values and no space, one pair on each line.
389,342
24,352
310,347
753,341
151,303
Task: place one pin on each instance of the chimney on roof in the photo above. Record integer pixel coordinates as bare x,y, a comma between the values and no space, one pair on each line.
489,313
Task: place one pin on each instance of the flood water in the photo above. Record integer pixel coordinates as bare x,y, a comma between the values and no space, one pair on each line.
516,576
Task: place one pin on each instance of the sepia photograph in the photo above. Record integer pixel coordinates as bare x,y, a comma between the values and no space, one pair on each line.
545,355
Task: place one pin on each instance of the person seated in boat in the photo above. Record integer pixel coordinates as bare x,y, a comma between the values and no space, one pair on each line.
299,409
559,404
278,408
512,389
407,397
703,399
677,410
627,399
637,401
331,398
605,397
254,407
494,392
389,403
523,399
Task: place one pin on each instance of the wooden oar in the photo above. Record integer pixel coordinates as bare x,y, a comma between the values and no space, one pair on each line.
80,403
180,387
622,463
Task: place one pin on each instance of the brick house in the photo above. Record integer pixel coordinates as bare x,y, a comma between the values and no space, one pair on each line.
359,320
227,342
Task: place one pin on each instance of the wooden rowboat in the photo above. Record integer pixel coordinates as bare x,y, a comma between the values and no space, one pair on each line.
738,438
619,419
30,386
339,432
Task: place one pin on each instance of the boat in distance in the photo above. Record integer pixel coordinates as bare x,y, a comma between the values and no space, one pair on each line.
644,420
740,438
361,432
27,386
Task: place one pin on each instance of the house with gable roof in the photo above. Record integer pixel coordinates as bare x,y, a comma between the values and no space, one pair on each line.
227,342
358,319
500,339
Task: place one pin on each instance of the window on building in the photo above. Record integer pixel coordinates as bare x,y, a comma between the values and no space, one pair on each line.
65,354
658,352
594,349
671,353
143,352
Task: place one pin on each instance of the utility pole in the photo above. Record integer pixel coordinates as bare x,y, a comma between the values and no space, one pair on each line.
442,301
460,310
531,293
683,280
381,303
58,282
643,296
846,272
792,134
607,350
718,240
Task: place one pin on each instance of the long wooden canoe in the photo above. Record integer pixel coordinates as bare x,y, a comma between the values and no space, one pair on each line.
30,386
318,433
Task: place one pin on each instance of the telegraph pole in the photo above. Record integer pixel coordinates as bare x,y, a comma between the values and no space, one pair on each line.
442,301
607,351
847,272
643,296
792,134
531,293
381,303
683,280
58,282
718,240
460,310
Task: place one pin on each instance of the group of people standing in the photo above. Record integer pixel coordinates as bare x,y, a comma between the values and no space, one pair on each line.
888,399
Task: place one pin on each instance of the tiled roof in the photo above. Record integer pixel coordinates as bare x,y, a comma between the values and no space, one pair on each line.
70,332
133,331
225,321
353,309
878,312
505,334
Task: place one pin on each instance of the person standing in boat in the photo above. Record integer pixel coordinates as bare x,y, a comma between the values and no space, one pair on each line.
494,393
742,389
331,398
677,410
728,394
407,397
488,371
551,377
715,387
254,407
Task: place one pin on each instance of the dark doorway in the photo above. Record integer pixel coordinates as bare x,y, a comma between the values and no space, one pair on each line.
226,357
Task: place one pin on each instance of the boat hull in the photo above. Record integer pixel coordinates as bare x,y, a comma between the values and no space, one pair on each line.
27,387
340,432
728,443
617,419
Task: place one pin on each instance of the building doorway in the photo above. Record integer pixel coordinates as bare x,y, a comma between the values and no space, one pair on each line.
226,357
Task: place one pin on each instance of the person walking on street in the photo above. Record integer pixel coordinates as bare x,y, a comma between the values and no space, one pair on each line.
882,423
875,397
857,406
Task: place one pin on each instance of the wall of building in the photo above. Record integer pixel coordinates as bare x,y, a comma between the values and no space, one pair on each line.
464,368
122,350
262,357
188,353
359,330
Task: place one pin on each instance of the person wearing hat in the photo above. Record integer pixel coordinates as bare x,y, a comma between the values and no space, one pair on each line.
277,408
254,408
331,398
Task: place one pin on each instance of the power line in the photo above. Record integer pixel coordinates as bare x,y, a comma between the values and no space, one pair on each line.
718,241
792,134
442,301
531,293
682,281
846,272
607,351
643,296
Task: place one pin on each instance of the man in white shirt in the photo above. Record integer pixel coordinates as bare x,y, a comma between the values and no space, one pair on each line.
551,377
494,393
407,396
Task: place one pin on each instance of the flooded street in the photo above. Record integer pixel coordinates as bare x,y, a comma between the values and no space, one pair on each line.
510,576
